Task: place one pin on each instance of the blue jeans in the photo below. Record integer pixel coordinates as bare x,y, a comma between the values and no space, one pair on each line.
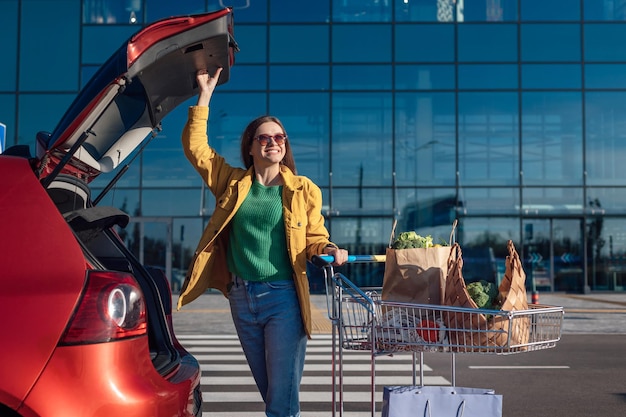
269,325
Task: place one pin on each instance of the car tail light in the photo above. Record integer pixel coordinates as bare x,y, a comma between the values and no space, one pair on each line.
112,307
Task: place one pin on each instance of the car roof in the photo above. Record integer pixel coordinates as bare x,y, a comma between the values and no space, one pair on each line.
141,83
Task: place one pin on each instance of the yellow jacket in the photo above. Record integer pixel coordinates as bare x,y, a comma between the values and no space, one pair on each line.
306,234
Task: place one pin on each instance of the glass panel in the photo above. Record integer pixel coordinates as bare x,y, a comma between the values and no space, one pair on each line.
363,201
156,10
484,242
487,43
30,104
300,11
246,77
247,11
38,49
360,236
550,42
8,46
608,200
86,72
488,77
552,201
536,254
150,241
427,211
552,76
230,114
488,11
361,138
110,12
125,199
605,147
488,139
604,42
550,9
299,77
346,231
552,138
100,42
490,231
7,118
186,235
568,255
424,77
425,139
362,77
255,39
361,11
306,120
553,254
428,11
610,76
171,202
165,165
608,262
604,10
485,201
439,48
361,43
596,241
302,43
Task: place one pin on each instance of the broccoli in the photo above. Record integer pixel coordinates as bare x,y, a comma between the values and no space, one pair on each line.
483,293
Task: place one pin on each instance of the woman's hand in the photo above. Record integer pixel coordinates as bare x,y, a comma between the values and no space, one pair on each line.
340,255
206,85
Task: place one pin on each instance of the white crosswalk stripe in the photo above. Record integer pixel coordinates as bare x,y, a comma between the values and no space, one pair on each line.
228,388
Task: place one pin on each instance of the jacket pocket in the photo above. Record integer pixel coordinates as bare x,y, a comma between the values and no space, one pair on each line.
297,236
227,200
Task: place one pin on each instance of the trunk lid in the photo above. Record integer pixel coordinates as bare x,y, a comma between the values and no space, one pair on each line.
126,100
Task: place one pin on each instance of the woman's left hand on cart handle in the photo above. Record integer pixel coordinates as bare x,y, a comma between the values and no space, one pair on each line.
338,256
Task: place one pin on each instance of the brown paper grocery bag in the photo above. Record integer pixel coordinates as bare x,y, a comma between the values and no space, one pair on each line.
474,329
416,275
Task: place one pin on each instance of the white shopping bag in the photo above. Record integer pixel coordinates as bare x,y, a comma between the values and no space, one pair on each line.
437,401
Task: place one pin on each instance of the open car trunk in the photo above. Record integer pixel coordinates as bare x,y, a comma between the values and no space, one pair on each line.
114,115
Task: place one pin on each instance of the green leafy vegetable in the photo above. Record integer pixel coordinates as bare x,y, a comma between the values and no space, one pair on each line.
408,240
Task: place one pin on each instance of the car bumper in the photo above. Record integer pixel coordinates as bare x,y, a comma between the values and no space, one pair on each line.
115,378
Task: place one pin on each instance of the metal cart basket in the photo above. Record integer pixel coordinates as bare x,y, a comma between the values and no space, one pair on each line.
363,321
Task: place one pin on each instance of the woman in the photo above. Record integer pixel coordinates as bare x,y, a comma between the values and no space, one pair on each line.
266,224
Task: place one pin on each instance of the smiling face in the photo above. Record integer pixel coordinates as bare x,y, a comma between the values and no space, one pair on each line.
269,154
252,151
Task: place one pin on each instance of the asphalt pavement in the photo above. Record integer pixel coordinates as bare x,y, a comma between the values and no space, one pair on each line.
592,313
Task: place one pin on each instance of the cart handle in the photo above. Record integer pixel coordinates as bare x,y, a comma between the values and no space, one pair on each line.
322,260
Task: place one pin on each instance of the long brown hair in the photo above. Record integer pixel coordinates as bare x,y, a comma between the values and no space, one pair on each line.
247,137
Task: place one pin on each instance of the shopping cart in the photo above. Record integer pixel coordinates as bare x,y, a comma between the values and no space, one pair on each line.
362,321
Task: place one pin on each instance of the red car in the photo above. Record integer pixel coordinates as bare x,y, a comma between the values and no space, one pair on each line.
86,329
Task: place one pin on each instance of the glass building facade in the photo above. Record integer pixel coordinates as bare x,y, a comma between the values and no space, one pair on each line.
503,114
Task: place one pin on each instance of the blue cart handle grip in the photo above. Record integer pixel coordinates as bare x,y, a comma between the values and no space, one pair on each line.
323,260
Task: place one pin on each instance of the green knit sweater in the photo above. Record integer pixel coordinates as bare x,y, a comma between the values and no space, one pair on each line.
258,249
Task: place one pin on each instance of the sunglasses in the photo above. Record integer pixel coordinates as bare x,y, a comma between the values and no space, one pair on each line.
265,139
